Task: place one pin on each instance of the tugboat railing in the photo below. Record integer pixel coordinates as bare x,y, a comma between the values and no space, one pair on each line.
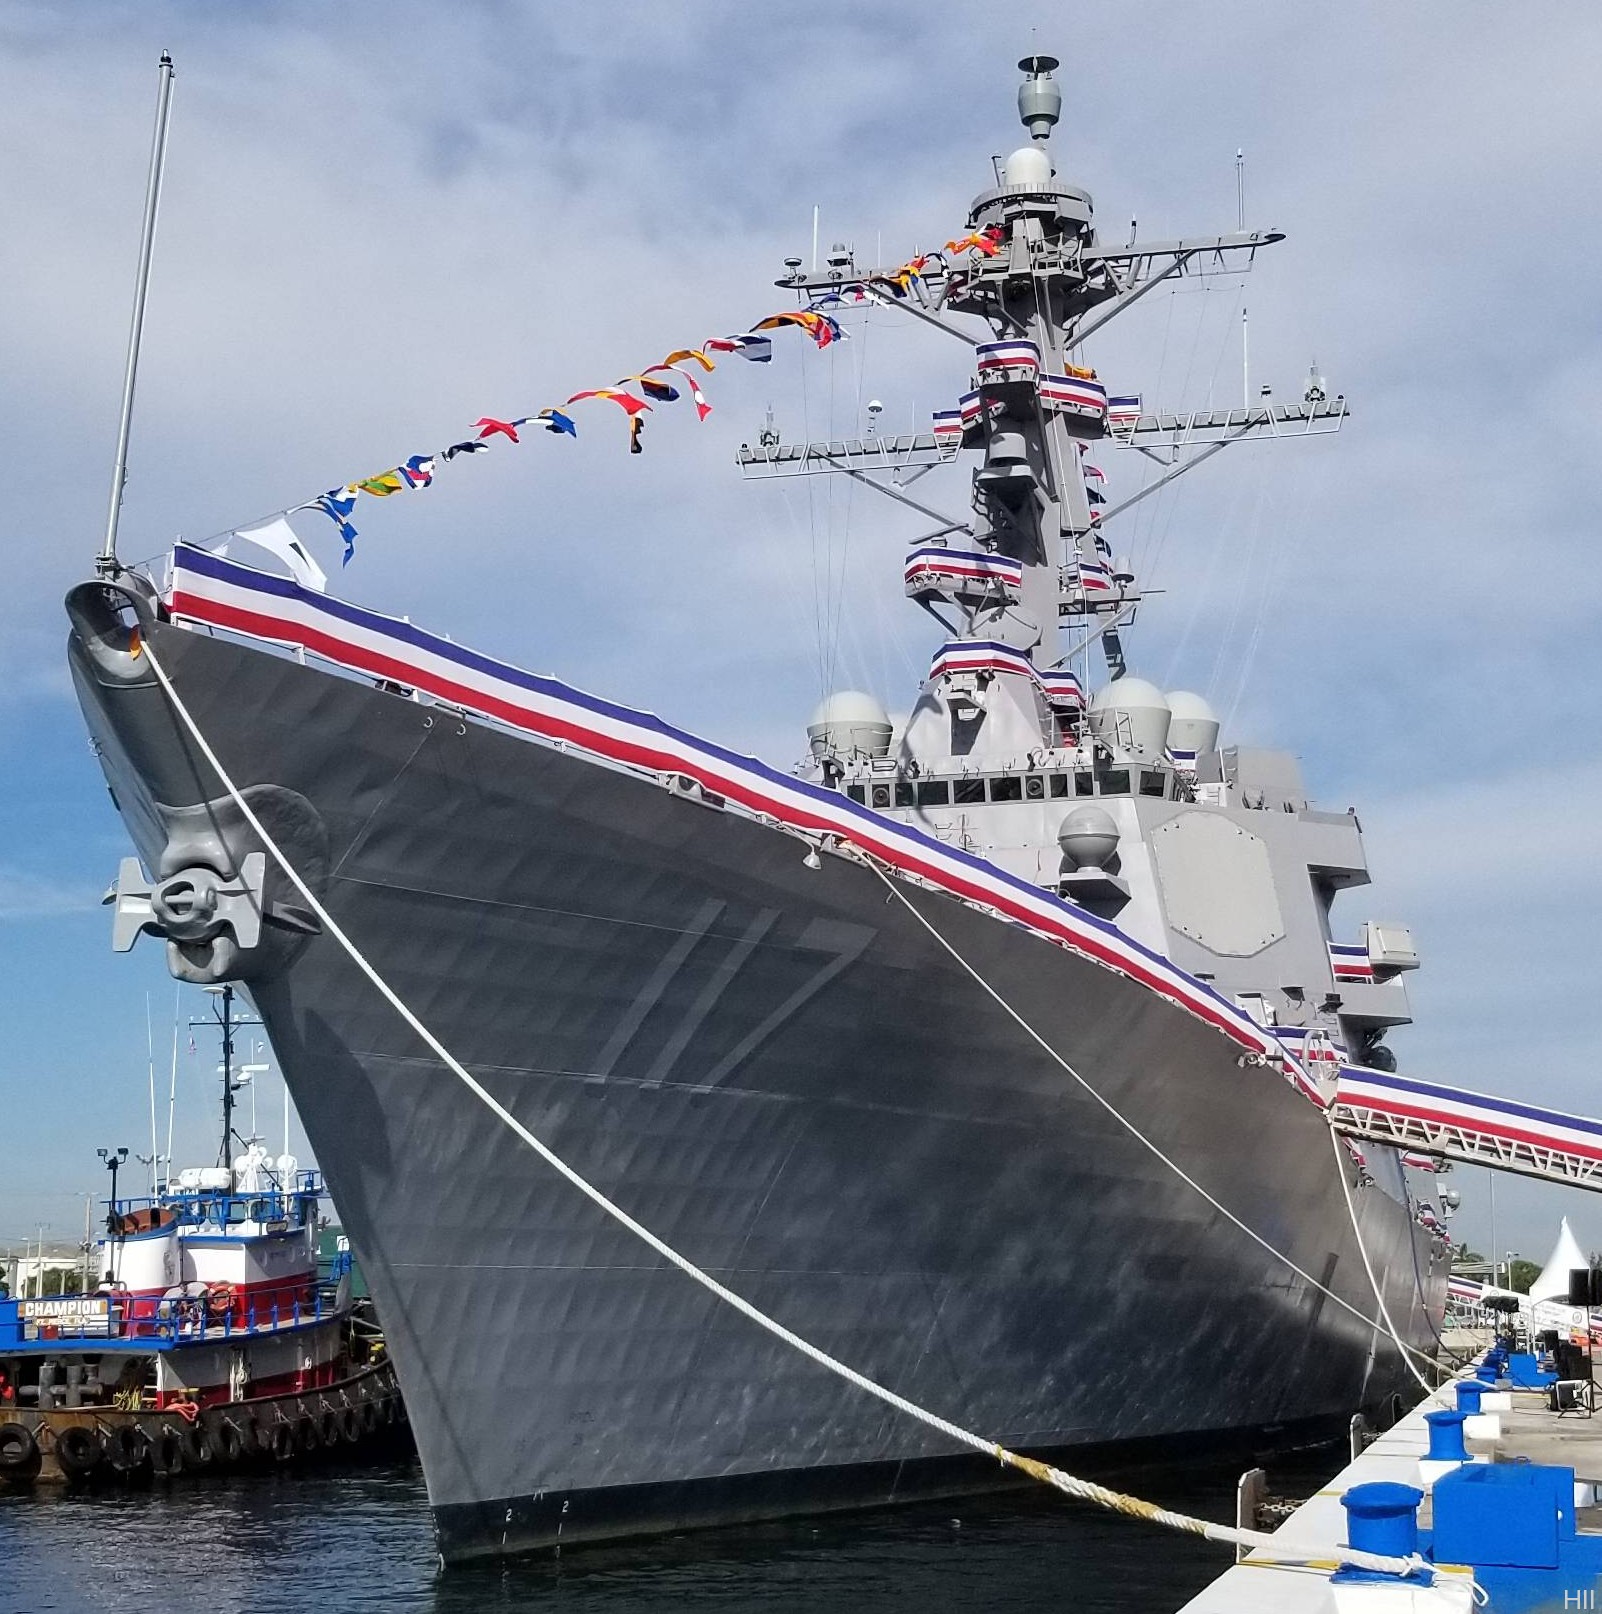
113,1320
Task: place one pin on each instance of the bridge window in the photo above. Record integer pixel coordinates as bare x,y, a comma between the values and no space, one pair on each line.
881,795
1059,786
1152,783
1009,787
1034,788
856,793
1084,785
965,792
904,793
933,793
1115,782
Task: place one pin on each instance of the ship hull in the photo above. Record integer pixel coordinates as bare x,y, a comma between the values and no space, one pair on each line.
797,1079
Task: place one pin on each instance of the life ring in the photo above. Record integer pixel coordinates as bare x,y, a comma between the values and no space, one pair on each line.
197,1448
126,1447
78,1450
19,1451
229,1442
166,1451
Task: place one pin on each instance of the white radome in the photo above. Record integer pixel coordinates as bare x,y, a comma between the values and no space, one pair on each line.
1130,714
849,722
1029,168
1195,723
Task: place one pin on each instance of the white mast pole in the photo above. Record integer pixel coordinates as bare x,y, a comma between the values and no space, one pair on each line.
172,1082
147,241
150,1068
1245,360
1240,224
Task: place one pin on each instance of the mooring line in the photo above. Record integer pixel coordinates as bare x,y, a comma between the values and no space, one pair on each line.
1068,1484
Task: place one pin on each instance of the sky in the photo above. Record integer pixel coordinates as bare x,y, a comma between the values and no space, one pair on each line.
383,221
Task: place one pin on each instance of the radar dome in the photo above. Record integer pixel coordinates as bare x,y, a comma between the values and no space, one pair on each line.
1195,724
1029,167
1088,837
849,723
1131,716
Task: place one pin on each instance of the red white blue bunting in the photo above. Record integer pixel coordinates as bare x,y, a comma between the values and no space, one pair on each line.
931,569
1350,963
1007,361
1060,686
213,591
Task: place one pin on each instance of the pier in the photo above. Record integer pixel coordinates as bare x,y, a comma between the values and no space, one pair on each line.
1493,1482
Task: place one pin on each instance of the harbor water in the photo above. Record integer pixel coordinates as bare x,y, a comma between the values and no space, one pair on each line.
359,1540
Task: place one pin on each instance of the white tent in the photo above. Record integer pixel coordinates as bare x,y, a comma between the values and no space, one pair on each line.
1553,1284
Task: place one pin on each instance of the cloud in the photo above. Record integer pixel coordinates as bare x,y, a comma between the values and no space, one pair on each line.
27,897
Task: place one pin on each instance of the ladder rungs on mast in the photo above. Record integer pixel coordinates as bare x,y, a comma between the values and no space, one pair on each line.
850,454
1168,430
1474,1128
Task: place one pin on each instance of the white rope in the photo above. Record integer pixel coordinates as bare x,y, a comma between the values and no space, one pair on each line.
1068,1484
1408,1351
1122,1119
1431,1391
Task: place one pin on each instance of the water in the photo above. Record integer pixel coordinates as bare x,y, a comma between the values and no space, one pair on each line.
283,1543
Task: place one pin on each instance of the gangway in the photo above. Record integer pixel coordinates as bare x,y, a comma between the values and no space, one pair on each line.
1475,1129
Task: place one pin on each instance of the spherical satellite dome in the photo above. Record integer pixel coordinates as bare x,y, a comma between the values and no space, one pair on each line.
1088,837
1131,715
1029,167
1195,724
847,723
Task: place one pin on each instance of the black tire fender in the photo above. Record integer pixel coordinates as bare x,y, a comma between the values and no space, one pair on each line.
167,1451
19,1451
78,1450
196,1444
126,1447
227,1441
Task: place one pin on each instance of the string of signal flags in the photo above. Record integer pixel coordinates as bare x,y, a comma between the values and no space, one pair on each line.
664,382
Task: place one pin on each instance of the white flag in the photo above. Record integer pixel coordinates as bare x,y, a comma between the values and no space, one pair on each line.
278,538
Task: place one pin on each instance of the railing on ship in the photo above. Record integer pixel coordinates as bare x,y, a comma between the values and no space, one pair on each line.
295,1205
217,1314
161,1324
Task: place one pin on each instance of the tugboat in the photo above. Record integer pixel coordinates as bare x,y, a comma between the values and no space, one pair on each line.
213,1337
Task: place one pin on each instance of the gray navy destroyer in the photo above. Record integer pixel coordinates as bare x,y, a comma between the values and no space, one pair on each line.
904,1045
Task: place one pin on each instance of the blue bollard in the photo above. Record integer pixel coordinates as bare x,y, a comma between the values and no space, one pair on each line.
1382,1518
1446,1437
1469,1392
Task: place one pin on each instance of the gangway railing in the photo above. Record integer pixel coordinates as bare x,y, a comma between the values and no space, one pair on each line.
1476,1129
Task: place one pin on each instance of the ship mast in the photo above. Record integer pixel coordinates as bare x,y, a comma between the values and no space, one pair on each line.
1032,270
